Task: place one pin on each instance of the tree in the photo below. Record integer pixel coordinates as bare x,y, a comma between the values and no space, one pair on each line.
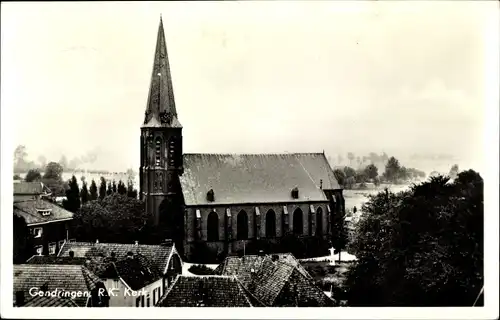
131,192
349,172
17,177
53,171
340,176
102,189
351,157
392,169
374,158
453,171
84,193
420,247
72,201
121,189
109,191
116,218
20,155
114,186
339,233
52,178
349,182
33,175
93,191
23,241
360,176
42,161
371,171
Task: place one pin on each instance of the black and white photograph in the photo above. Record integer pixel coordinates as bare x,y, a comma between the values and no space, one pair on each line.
319,159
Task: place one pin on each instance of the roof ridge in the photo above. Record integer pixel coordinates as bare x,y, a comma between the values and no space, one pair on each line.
253,154
165,294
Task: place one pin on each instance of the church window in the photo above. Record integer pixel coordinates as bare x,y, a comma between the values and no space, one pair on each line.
298,226
242,226
158,152
270,224
319,221
213,227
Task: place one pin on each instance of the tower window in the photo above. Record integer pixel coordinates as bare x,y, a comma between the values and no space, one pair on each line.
158,152
171,152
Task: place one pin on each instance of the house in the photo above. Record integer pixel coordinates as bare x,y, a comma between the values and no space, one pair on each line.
207,291
276,280
49,224
213,205
30,191
137,274
59,283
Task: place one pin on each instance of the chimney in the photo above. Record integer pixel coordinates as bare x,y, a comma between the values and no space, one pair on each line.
321,184
261,253
97,241
72,254
136,242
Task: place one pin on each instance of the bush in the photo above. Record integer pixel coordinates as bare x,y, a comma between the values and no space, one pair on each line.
201,270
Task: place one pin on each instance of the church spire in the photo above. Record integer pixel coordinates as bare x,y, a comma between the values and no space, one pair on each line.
160,109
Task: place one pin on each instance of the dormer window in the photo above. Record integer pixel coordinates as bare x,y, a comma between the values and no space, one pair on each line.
295,193
210,195
158,152
44,212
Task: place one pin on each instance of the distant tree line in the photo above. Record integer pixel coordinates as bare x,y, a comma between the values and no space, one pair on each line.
394,173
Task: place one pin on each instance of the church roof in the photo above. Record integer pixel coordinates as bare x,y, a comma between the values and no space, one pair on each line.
160,109
256,178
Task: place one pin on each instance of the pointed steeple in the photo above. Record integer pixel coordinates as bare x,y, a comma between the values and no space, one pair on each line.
160,109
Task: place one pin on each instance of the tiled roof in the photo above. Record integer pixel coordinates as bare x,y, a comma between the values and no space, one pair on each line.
28,209
136,272
275,280
56,260
255,178
44,301
205,291
30,188
158,255
61,277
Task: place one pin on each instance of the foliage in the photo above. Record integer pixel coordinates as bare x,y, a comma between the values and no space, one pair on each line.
53,171
17,177
371,171
201,270
350,156
392,170
349,182
360,176
23,241
301,247
349,172
421,247
340,176
114,186
93,191
72,201
63,162
131,192
109,191
33,175
84,193
340,234
121,189
102,189
116,218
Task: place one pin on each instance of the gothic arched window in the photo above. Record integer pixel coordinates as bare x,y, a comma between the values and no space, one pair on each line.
298,225
213,227
242,226
158,152
270,224
319,221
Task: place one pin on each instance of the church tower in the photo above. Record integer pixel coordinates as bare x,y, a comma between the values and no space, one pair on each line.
161,148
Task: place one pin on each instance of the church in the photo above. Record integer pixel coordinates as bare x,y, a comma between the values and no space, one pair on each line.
214,205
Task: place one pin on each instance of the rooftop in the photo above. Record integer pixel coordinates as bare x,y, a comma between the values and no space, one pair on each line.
40,211
256,178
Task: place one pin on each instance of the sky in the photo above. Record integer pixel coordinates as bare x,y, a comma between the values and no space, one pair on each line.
248,77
